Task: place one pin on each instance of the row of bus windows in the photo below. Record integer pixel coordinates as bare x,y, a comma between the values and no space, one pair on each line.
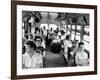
75,34
85,40
74,31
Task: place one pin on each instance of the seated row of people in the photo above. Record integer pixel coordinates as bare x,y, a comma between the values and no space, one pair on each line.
72,51
74,54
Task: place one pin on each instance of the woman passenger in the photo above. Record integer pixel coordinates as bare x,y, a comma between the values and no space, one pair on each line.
39,45
67,45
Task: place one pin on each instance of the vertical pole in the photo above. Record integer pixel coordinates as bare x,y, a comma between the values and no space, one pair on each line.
75,31
70,31
66,28
82,33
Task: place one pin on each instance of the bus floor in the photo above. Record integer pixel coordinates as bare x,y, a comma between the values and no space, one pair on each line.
53,60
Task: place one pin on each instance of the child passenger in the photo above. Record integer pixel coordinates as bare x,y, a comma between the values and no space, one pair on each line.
31,59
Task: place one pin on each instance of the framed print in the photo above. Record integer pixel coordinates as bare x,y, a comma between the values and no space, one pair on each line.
53,39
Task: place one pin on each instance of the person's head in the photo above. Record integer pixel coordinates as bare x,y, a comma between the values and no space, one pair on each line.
81,46
37,32
56,37
51,29
75,43
67,37
62,32
38,40
44,27
38,51
29,46
29,36
57,29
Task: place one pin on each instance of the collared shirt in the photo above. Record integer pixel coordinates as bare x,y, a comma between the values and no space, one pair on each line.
82,58
32,62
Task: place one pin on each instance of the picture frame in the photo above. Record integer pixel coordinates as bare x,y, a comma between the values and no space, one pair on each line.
18,6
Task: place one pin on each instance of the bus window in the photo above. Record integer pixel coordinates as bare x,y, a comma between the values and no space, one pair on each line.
72,35
73,27
87,45
42,25
78,27
86,38
53,26
78,37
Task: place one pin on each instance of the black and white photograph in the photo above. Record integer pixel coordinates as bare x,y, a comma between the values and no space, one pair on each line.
53,39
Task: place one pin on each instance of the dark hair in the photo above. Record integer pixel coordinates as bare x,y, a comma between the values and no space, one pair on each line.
62,32
23,49
44,27
67,37
31,44
76,40
36,37
26,36
37,31
80,43
51,29
38,51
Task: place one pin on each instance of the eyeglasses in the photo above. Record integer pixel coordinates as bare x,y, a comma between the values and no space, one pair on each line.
38,40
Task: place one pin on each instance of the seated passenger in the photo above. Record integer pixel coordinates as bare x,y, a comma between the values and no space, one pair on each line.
81,57
56,39
37,33
29,36
71,61
31,59
75,44
39,45
63,35
56,45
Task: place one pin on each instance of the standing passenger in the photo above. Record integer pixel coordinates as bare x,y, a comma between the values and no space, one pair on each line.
67,45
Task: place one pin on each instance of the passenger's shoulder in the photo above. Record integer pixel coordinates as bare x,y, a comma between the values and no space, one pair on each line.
37,54
24,55
78,53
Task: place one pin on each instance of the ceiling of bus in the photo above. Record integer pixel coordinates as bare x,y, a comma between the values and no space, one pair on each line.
57,18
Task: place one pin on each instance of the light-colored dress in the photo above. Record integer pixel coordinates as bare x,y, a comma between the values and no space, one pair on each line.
67,43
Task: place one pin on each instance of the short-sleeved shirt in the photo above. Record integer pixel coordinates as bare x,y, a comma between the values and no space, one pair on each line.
32,62
83,56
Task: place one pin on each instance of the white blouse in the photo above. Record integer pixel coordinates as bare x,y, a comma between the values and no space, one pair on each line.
32,62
